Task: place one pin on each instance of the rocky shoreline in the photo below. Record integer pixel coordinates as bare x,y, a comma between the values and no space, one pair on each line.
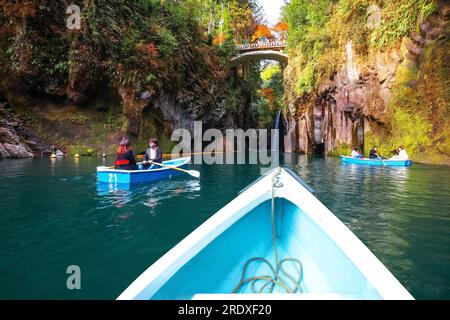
16,139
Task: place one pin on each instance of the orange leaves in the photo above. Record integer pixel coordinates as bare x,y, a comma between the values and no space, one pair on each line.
23,9
220,39
281,27
262,31
149,54
269,95
15,11
151,49
147,50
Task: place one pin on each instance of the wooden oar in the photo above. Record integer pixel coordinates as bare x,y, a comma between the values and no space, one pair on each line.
384,163
193,173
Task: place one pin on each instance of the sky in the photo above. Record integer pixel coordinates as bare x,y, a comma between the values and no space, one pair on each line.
272,10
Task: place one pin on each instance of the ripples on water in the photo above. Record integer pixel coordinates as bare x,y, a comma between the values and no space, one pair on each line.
56,215
148,195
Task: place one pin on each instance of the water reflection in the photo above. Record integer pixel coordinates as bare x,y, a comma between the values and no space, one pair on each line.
401,214
13,168
156,195
149,195
113,195
370,200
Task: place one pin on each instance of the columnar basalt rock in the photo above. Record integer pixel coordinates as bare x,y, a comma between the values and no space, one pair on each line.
338,114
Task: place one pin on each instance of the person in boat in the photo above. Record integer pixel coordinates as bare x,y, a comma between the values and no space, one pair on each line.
125,159
153,154
355,153
401,154
373,154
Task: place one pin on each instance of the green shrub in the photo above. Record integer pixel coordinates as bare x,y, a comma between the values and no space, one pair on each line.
167,42
399,18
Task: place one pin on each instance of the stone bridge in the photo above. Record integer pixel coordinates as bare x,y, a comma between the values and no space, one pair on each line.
269,50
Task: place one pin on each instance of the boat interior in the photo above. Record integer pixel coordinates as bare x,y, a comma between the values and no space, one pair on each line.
325,272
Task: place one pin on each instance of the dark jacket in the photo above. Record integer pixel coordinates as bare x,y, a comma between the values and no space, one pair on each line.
127,156
373,154
159,155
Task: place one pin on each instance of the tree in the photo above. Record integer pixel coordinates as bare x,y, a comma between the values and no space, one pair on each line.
282,29
16,14
242,21
220,39
261,31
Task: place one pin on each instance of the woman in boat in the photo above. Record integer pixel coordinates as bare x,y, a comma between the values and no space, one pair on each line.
125,159
153,154
355,153
402,155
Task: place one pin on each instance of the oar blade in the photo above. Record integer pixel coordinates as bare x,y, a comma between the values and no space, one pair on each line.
194,173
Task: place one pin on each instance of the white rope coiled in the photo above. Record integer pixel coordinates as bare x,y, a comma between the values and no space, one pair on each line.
273,279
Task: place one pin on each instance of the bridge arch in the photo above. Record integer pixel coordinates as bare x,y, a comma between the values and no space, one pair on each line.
259,55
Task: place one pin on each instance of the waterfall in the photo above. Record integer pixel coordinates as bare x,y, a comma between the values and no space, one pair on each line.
275,143
277,120
352,69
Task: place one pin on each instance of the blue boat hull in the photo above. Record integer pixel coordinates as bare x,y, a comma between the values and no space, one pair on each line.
113,176
376,162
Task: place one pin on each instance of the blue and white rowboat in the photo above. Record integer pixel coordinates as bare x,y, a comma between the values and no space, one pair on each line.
318,256
376,162
113,176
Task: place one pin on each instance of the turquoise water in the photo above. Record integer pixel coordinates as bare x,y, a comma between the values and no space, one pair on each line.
54,215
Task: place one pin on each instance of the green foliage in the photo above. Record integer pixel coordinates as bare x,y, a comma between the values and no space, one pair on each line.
128,44
399,18
167,42
341,149
273,79
270,71
410,130
419,116
418,109
319,31
226,51
304,18
306,80
136,44
309,41
264,117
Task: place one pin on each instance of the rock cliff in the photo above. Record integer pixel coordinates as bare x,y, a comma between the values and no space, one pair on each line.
398,95
16,139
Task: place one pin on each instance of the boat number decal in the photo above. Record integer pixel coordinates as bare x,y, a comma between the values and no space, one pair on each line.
112,177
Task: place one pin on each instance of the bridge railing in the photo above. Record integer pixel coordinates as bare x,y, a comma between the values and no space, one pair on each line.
262,45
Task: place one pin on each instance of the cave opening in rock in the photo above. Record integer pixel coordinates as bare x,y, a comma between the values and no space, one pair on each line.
318,149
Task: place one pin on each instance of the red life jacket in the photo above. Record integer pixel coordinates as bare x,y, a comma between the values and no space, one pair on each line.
121,162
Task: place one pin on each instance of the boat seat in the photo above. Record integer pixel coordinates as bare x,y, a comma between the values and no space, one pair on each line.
267,296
